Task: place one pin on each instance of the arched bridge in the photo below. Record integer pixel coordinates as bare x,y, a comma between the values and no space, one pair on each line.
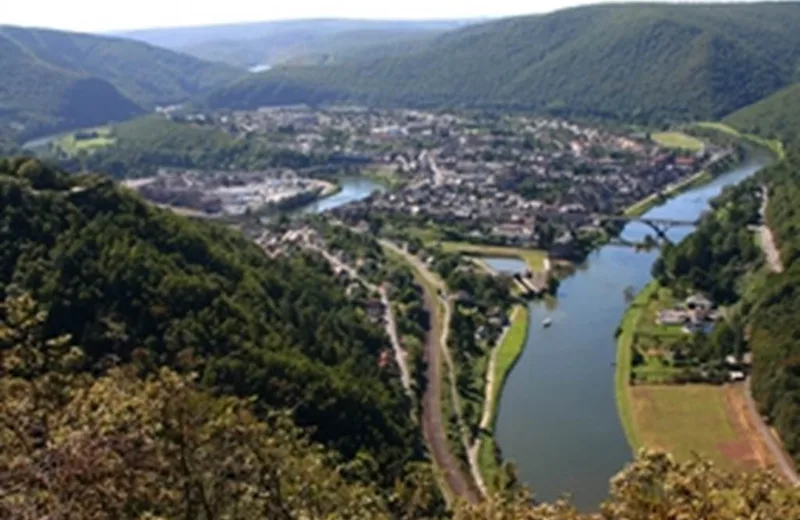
659,225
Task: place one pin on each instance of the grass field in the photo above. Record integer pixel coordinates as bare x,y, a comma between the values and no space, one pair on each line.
508,353
534,258
71,145
706,420
711,421
678,140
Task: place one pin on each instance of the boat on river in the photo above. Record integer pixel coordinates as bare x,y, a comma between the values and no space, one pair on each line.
547,322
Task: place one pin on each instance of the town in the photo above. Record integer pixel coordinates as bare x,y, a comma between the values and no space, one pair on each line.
510,179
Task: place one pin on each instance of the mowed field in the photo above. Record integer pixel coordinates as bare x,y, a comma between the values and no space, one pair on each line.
72,145
710,421
678,140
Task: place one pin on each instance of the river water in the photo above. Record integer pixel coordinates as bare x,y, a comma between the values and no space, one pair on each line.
558,419
352,189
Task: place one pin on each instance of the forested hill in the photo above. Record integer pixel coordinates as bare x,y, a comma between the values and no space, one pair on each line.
776,117
645,61
123,278
274,37
54,80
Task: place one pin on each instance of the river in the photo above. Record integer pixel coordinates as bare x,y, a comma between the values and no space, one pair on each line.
353,189
558,420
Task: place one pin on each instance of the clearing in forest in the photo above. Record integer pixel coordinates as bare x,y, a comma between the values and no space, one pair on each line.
678,140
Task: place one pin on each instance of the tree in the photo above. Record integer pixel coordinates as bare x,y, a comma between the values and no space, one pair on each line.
629,294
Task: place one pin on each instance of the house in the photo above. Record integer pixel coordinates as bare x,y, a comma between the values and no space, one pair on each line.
385,358
672,317
699,302
695,327
374,310
736,376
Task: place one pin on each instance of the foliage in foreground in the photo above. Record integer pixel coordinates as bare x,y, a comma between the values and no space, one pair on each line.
122,445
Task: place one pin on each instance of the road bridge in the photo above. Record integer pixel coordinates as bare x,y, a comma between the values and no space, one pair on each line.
659,225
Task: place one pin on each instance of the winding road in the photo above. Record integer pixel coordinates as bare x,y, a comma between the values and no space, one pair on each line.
784,463
766,238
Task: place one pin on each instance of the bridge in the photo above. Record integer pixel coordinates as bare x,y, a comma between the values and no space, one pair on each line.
660,225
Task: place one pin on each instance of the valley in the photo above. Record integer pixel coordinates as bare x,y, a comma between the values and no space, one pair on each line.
411,269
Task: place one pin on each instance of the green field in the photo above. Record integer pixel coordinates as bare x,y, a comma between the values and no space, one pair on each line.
686,420
72,145
534,258
678,141
508,353
681,419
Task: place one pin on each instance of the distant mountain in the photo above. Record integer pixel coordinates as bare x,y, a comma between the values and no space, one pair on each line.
312,48
642,61
181,37
314,41
53,80
777,116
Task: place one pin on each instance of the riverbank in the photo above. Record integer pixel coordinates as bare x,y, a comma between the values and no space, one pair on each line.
504,358
624,364
710,420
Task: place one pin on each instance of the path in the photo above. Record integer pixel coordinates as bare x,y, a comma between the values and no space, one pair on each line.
400,354
433,426
766,238
488,402
782,460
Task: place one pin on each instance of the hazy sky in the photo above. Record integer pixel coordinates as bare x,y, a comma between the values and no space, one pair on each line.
107,15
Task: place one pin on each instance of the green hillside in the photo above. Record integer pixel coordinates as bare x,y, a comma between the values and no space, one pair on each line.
54,80
776,117
143,145
125,279
644,61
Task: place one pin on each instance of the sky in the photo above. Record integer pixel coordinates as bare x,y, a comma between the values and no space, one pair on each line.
113,15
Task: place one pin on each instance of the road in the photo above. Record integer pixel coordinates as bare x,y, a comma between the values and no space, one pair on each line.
433,426
400,354
766,238
785,464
